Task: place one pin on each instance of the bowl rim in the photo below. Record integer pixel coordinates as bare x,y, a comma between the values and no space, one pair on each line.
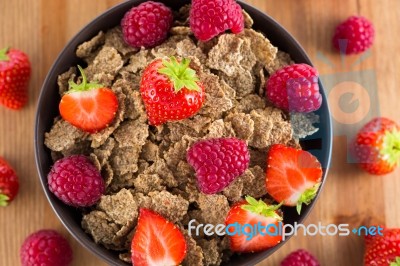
264,16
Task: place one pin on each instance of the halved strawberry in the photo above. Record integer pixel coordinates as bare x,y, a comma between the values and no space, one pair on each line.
157,241
254,213
383,250
88,106
293,176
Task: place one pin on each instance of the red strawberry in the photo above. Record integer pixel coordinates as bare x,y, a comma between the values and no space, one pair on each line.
383,250
170,90
88,106
254,213
377,146
157,241
9,183
293,176
15,71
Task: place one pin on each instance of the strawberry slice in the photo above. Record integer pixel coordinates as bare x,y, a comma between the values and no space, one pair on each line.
254,213
157,241
88,106
293,176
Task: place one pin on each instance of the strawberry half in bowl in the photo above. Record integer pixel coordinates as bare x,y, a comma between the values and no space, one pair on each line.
136,128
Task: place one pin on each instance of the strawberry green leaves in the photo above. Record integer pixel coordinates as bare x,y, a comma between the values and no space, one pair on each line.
261,208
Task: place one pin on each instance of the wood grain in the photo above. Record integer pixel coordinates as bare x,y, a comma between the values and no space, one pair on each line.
42,28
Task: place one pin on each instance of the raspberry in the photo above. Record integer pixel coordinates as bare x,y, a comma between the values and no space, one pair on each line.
218,162
300,258
45,248
147,24
76,181
295,88
357,31
208,18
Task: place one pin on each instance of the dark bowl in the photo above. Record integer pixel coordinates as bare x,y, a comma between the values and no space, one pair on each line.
319,144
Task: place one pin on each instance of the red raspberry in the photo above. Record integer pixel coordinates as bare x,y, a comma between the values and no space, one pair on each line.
76,181
9,184
147,24
45,248
208,18
218,162
353,36
300,258
295,88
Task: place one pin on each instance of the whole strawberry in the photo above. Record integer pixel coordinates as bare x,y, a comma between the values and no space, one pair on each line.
295,88
45,248
147,24
383,250
293,176
15,72
209,18
254,213
300,257
76,181
218,162
353,36
88,106
377,146
170,90
9,183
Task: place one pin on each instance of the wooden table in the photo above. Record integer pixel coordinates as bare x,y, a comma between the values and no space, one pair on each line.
42,28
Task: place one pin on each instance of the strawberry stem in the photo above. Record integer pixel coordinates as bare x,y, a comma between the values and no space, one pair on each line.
391,147
84,85
307,197
3,54
262,208
396,262
4,200
180,74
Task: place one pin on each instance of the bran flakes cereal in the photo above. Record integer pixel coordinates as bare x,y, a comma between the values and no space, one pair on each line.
145,166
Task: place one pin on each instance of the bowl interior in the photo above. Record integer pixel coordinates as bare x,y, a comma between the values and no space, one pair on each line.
319,144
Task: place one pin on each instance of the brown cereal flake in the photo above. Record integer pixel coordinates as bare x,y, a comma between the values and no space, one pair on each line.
258,157
215,106
126,257
198,123
172,207
249,58
242,82
248,21
209,213
160,167
254,182
139,61
100,226
249,103
242,124
184,172
104,151
88,49
219,129
149,151
131,133
303,124
115,39
226,55
124,160
145,183
107,174
234,191
194,255
120,207
80,147
180,30
263,49
177,152
187,48
282,59
107,61
270,127
63,136
95,161
64,79
178,130
211,251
